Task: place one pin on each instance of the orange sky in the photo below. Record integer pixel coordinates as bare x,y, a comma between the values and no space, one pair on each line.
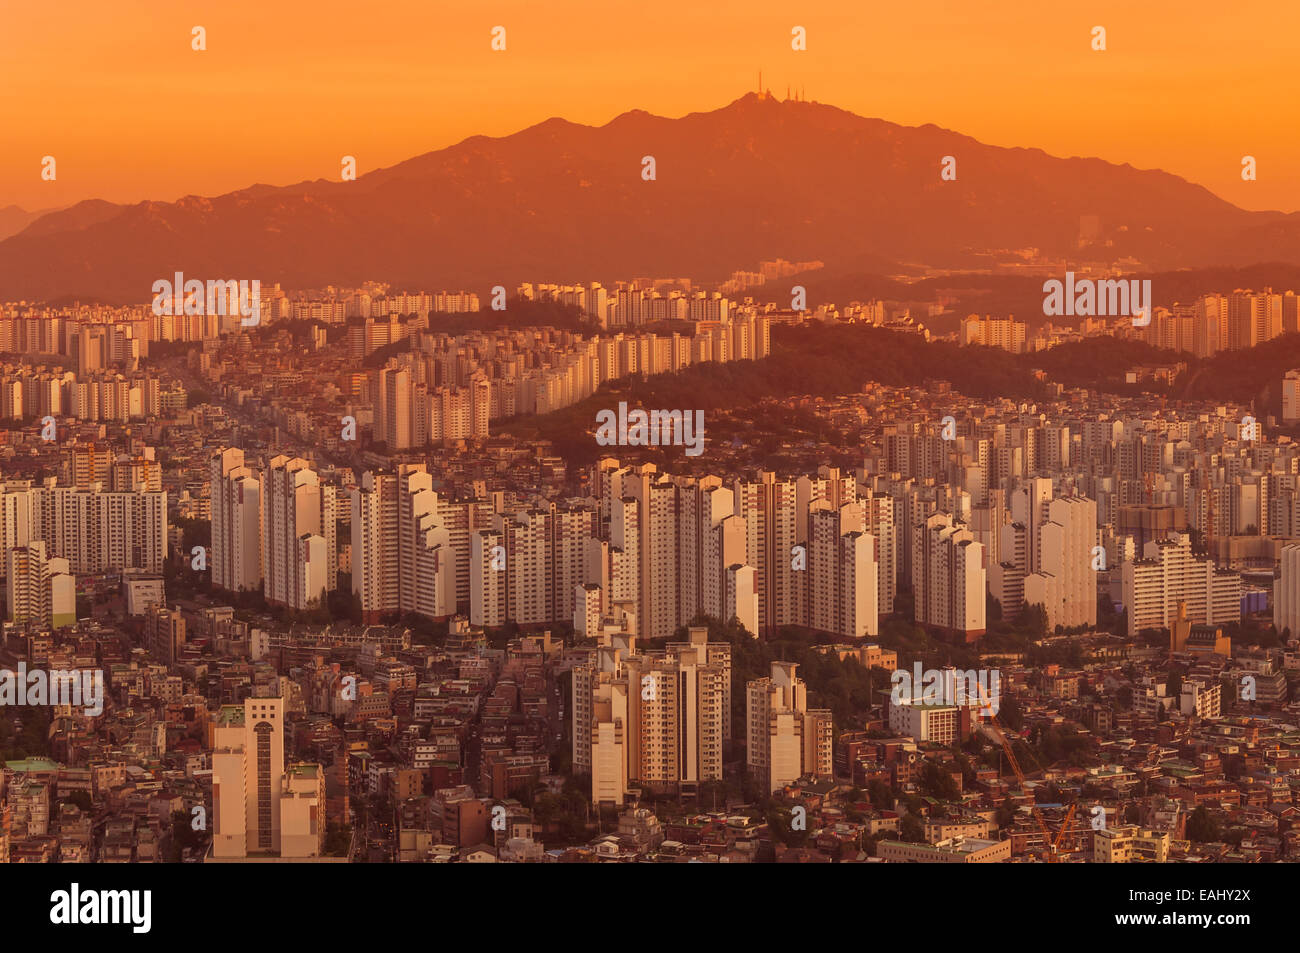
114,92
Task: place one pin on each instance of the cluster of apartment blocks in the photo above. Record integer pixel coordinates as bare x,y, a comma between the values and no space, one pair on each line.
107,334
625,305
273,528
634,306
96,336
657,721
630,305
823,552
448,388
50,533
827,552
641,528
92,336
768,552
93,396
659,549
1209,325
1150,479
1218,322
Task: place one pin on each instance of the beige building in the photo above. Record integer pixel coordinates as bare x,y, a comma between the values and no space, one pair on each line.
302,811
936,723
1046,556
741,599
768,553
40,589
236,491
654,720
1005,333
260,808
958,850
786,740
948,576
411,548
842,588
164,633
770,511
1130,845
299,548
93,529
1170,573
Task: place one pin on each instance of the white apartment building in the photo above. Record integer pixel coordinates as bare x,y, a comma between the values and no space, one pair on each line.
39,588
1291,396
1046,556
740,600
842,584
410,546
1168,574
769,508
527,567
236,496
375,544
948,576
298,534
1005,333
94,530
1286,592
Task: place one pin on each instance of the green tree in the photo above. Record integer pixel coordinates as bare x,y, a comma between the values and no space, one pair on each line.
937,781
81,799
911,830
1033,620
184,836
882,799
1202,827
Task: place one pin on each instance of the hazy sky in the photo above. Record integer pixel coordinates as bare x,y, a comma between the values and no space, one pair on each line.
115,93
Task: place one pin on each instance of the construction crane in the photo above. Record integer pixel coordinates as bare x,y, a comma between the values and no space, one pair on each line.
996,729
1065,826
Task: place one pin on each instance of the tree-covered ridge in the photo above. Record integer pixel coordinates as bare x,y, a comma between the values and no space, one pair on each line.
810,360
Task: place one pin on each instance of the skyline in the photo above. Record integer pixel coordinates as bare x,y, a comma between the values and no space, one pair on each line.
290,114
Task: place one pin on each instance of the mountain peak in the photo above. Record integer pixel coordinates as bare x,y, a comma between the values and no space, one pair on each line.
754,98
757,179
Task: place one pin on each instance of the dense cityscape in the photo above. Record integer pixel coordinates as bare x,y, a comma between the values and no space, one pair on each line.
1005,630
583,434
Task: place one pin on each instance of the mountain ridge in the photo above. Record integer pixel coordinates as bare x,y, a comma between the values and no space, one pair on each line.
756,179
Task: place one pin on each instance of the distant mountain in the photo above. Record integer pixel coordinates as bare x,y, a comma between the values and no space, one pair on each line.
756,179
14,219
